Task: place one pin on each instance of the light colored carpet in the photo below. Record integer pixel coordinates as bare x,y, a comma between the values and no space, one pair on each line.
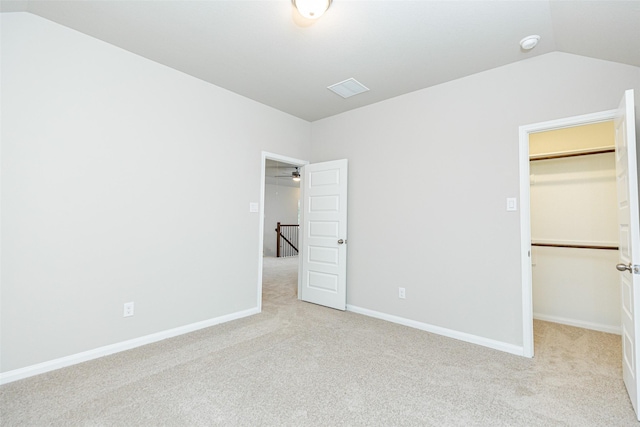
299,364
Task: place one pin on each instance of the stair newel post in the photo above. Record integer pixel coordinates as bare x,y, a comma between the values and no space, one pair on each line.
278,241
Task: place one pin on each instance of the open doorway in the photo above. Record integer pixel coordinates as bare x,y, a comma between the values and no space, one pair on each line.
574,247
281,209
628,232
528,250
321,268
279,206
574,227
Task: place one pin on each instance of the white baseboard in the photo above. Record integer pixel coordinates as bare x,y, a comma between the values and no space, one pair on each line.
462,336
579,323
51,365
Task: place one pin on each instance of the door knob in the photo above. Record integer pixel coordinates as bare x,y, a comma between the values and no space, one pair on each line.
623,267
340,242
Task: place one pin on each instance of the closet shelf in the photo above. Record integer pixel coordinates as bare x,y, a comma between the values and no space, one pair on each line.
575,246
571,154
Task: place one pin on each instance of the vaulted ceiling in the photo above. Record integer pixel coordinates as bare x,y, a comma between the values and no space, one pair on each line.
265,51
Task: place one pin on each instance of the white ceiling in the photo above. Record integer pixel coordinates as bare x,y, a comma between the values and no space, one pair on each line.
263,50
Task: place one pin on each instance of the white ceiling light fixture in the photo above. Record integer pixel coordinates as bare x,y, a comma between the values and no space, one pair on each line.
529,42
312,9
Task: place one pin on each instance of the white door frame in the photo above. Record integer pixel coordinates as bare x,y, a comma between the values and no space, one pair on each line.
284,159
525,212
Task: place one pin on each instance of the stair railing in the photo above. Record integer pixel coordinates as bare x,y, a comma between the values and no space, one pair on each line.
287,240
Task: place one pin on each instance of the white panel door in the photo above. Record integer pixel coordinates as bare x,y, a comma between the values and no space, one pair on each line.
323,243
627,182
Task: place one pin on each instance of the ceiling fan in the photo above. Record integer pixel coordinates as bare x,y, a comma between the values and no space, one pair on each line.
295,175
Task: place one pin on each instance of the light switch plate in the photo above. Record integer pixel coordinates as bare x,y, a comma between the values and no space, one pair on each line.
253,207
512,204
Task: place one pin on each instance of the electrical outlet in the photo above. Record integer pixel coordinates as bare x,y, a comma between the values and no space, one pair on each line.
128,309
401,293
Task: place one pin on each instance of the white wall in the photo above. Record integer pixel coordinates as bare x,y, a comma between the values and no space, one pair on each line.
435,222
280,205
115,188
115,176
573,201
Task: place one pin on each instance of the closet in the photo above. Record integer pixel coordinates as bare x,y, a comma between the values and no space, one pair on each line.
574,227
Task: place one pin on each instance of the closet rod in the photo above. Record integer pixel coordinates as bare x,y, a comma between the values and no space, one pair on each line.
557,245
561,156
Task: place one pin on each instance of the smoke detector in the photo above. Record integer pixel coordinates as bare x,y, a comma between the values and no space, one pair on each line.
529,42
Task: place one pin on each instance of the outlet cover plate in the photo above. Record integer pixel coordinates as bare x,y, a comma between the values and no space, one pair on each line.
128,309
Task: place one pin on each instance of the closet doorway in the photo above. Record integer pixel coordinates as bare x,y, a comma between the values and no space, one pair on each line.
574,227
525,211
628,231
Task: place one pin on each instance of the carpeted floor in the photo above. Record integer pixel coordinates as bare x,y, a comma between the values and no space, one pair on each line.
299,364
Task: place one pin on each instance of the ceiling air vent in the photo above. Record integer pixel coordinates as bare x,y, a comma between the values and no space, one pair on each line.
348,88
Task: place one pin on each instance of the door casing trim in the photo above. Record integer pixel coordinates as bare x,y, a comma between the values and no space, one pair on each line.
280,158
525,211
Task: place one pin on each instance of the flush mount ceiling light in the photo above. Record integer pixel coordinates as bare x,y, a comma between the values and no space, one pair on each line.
312,9
529,42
